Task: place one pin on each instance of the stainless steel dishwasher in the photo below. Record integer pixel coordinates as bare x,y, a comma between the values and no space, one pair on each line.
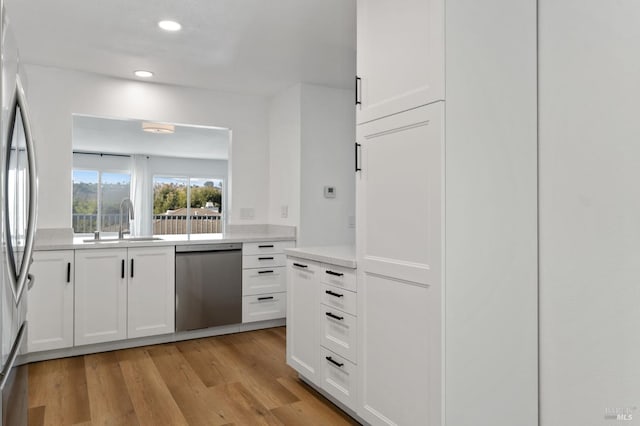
208,285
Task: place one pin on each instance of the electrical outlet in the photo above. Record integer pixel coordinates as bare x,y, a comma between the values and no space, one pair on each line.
284,212
352,221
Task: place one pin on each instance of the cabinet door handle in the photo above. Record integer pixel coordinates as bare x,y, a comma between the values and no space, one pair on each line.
265,258
335,274
330,315
265,298
358,168
68,272
300,265
122,269
266,246
265,272
334,362
358,90
131,268
329,292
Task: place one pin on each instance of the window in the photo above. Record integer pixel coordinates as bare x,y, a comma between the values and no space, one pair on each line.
187,205
96,199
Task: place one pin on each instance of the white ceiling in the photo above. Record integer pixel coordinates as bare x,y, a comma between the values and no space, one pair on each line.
246,46
105,135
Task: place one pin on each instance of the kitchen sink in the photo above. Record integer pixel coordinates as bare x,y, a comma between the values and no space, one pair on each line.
117,240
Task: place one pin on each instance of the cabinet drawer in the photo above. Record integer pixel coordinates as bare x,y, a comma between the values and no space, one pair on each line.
338,276
263,280
266,248
338,377
338,298
264,307
263,260
338,332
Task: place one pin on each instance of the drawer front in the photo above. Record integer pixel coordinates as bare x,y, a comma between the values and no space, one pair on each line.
338,276
264,307
338,298
338,377
264,280
263,260
266,248
339,332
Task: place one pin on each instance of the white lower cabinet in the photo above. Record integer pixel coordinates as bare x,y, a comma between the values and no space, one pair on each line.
322,327
50,300
151,291
302,317
263,307
101,295
124,293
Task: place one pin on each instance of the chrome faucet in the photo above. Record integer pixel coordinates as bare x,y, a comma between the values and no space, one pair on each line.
129,205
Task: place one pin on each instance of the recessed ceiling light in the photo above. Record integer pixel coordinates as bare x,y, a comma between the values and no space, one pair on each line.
169,25
143,74
158,127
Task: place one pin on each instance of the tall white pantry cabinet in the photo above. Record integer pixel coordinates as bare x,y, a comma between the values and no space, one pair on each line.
446,212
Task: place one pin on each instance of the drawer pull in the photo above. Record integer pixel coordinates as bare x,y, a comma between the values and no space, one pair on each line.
335,274
266,258
334,362
265,298
330,315
266,272
266,246
300,265
329,292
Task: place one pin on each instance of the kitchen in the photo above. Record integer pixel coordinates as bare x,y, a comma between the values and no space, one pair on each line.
477,277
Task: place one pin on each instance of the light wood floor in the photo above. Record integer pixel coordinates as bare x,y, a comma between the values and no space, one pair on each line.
238,379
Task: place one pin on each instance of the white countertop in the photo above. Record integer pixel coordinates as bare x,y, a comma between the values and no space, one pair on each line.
166,240
335,255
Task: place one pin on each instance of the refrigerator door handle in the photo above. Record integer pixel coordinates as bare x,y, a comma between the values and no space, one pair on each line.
4,375
22,278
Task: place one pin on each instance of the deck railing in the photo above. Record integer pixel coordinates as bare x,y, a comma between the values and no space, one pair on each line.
161,224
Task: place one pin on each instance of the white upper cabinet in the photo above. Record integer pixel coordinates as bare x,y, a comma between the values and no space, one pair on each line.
400,56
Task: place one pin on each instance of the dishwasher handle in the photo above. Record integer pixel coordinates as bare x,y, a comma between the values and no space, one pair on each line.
190,248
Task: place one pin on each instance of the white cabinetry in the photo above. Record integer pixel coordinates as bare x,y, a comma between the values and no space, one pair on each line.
469,200
50,312
101,295
264,281
124,293
151,291
400,56
303,338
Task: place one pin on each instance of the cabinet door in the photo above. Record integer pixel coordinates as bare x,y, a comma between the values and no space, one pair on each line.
101,295
303,332
400,56
50,312
399,266
151,291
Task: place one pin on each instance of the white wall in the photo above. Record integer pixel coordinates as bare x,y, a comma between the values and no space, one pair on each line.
311,138
55,94
589,211
491,230
284,157
328,158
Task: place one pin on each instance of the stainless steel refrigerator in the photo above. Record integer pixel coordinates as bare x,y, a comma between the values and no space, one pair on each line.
18,191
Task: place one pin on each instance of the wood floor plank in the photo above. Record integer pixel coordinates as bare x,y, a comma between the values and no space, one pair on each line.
203,361
36,416
151,398
61,386
109,398
245,408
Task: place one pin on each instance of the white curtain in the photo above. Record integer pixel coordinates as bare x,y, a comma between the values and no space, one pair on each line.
141,195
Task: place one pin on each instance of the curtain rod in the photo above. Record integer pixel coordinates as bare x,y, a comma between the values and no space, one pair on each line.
102,154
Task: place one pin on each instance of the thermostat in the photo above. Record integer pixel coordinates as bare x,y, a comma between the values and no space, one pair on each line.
329,192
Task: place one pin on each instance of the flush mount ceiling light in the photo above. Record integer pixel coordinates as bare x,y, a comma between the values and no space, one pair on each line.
158,128
170,25
143,74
